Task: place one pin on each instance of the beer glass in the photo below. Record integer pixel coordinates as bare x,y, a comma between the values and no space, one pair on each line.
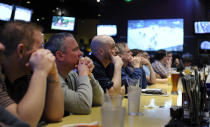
174,80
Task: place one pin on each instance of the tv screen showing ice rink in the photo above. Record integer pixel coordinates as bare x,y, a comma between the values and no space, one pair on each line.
155,34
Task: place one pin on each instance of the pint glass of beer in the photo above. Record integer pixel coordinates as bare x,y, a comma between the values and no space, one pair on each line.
174,80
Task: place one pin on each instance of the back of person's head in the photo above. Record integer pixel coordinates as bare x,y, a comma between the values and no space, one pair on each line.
169,52
56,42
160,54
135,52
187,58
16,32
120,47
99,42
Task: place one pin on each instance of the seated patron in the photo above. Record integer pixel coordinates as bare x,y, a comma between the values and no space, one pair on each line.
162,64
146,65
103,53
187,59
131,66
80,88
23,56
6,118
177,63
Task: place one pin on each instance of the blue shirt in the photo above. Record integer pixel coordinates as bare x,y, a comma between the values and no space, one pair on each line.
146,70
129,73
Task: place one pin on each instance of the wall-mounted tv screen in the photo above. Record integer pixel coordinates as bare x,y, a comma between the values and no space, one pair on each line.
22,13
63,23
202,27
5,11
156,34
204,46
110,30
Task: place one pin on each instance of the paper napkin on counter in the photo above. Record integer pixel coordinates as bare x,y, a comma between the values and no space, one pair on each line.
93,124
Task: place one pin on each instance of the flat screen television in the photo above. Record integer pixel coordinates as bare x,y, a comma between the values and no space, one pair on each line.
204,46
202,27
5,12
156,34
110,30
63,23
22,13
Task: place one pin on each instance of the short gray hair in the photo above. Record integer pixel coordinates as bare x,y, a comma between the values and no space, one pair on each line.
56,42
121,47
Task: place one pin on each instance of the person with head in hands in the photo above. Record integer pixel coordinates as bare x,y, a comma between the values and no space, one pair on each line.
24,55
145,65
132,68
7,118
103,54
80,88
151,72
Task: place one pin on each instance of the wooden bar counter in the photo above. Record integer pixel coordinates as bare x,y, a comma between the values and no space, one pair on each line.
156,110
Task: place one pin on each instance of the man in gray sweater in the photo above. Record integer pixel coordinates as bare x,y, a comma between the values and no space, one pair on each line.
80,88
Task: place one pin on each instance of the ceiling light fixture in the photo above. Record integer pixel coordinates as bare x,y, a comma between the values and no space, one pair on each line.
127,1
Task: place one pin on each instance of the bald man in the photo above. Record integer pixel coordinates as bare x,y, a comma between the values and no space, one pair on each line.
103,53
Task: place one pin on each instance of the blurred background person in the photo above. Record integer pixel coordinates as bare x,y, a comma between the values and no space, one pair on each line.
170,58
151,76
145,64
187,59
161,64
177,63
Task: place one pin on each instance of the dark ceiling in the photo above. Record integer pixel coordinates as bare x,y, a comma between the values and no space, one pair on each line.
43,9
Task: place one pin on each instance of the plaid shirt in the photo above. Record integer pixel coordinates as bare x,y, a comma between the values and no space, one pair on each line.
160,69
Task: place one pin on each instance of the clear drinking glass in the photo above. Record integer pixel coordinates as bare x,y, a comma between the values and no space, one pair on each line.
112,116
134,93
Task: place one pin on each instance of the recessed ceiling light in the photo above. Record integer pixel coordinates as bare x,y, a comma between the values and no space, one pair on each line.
28,2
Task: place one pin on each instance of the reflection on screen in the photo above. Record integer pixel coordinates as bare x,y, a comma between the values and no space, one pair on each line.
152,35
63,23
110,30
23,14
5,12
202,27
